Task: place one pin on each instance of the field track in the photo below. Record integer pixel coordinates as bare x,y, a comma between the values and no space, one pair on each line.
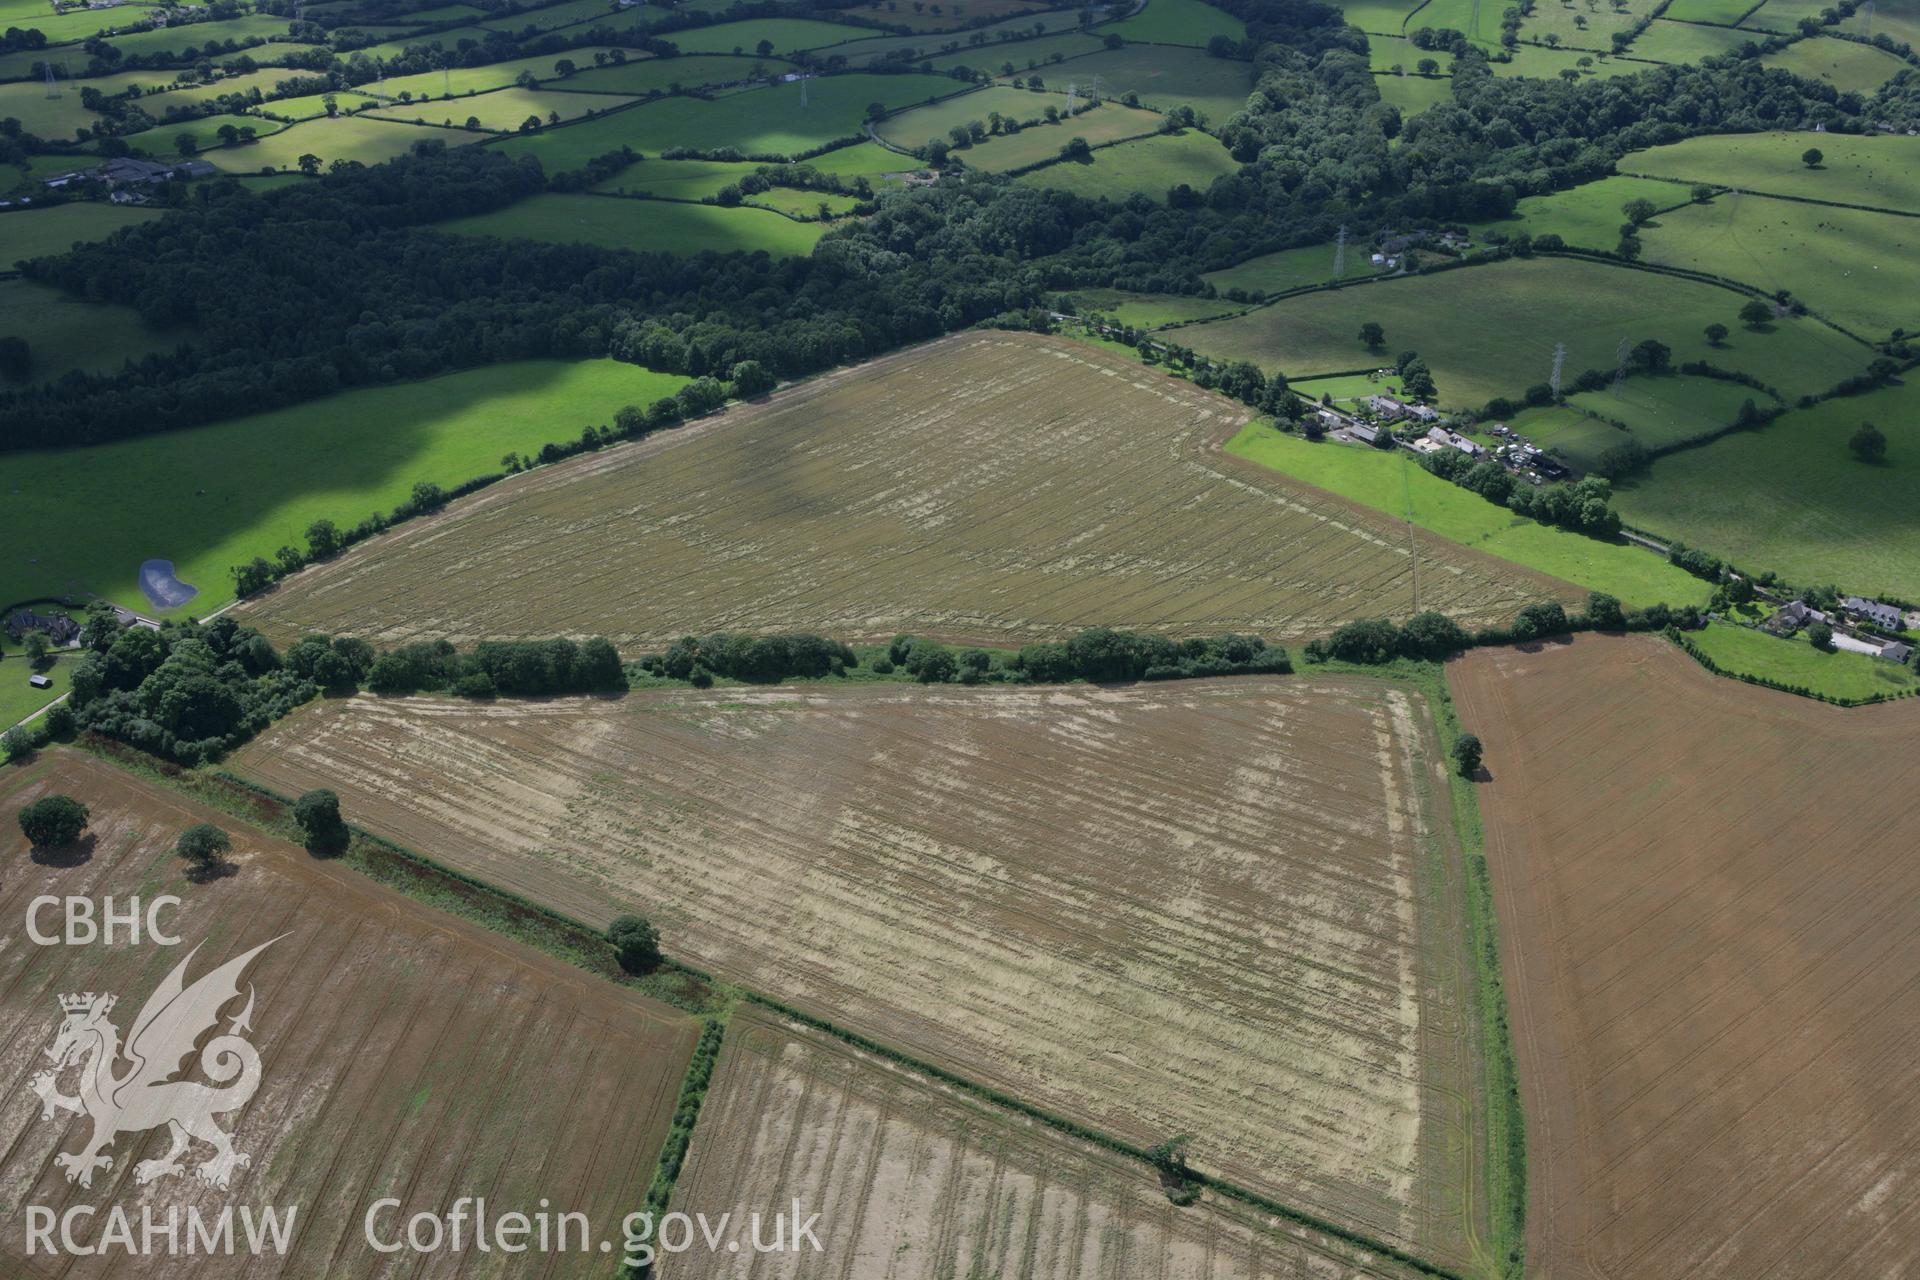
404,1053
1212,907
1710,911
917,1181
993,487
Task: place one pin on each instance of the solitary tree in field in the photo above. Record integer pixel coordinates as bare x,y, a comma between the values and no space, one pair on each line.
202,845
1869,443
1716,333
1702,193
636,943
1755,314
1427,66
1812,157
1373,335
1638,210
53,821
1466,755
318,813
309,164
184,144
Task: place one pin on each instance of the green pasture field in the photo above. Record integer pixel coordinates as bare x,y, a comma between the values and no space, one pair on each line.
1899,19
1379,17
443,13
1414,94
346,138
1163,78
1792,498
1722,12
1148,310
1349,388
1846,66
1490,330
645,225
208,498
1003,38
449,41
646,75
55,119
915,127
1657,411
1108,122
787,35
40,233
1151,166
1870,170
1587,216
1665,410
502,109
64,333
1478,20
676,179
1023,56
498,75
1794,660
204,130
1545,64
1387,52
1272,273
261,183
1856,268
697,179
1686,42
862,160
1395,483
1558,17
567,14
1180,22
1784,16
767,121
18,699
198,35
264,80
79,24
293,110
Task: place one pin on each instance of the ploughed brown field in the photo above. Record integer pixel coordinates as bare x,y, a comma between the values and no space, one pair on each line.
989,487
404,1053
1212,907
915,1180
1710,899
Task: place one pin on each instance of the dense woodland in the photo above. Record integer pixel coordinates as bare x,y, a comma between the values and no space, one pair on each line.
343,282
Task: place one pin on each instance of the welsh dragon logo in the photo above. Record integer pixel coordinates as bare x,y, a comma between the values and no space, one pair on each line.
145,1095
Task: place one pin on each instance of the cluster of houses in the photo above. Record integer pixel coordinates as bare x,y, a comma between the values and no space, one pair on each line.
127,178
1845,622
62,631
1381,412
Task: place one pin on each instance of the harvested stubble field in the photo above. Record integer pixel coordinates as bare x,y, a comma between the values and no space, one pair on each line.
924,1182
1003,488
1214,907
1707,895
395,1043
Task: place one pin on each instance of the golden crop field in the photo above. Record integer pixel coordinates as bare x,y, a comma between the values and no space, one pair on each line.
926,1183
996,487
1212,907
403,1052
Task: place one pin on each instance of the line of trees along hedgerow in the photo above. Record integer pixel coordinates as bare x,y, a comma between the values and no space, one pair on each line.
342,282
